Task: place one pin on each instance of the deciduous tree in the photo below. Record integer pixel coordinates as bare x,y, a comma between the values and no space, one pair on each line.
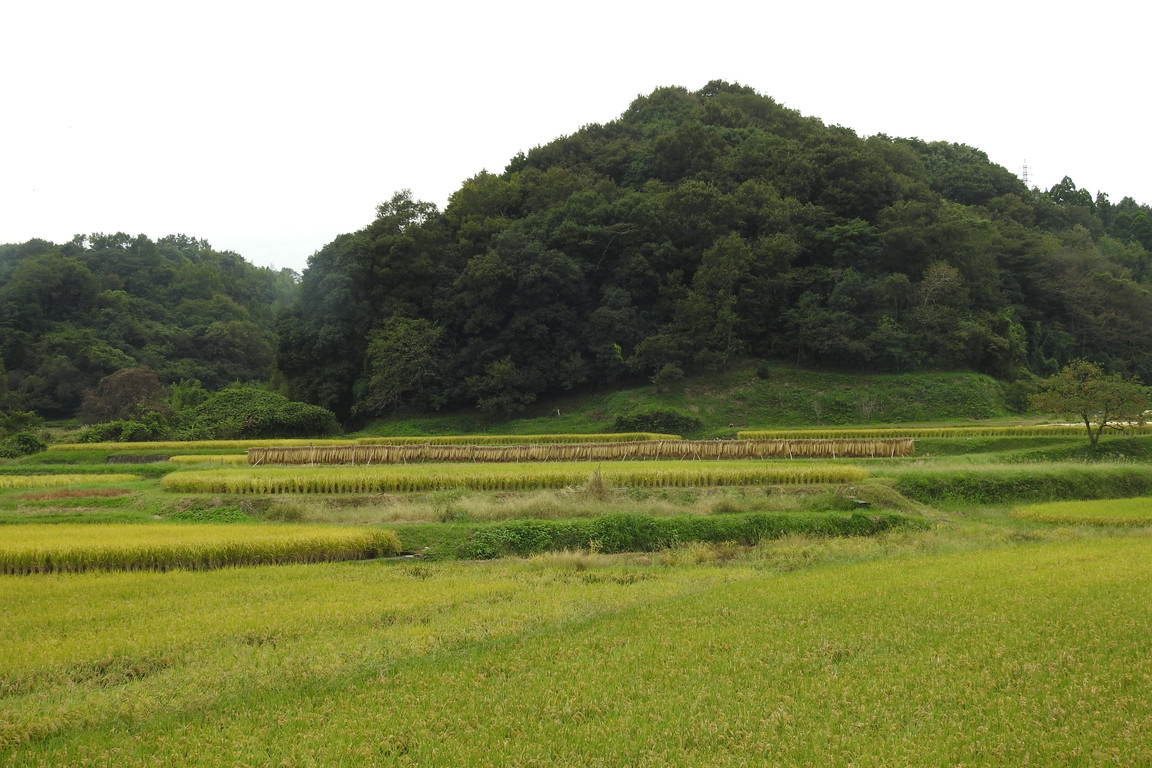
1097,398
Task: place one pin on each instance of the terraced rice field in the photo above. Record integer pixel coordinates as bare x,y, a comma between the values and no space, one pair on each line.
53,548
1035,654
1122,512
424,477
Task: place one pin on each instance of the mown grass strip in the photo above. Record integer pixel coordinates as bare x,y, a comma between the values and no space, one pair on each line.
240,445
1043,430
644,533
52,481
428,477
71,548
1114,512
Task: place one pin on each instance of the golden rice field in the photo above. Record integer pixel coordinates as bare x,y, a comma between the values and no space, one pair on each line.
889,432
1124,512
53,548
209,458
52,481
394,478
1030,654
620,451
240,445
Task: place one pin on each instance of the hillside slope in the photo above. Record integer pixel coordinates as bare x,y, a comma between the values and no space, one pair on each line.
744,397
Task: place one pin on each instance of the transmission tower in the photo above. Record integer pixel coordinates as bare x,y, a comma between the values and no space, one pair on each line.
1024,175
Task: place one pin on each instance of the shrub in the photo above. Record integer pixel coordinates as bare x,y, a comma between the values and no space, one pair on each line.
12,422
658,420
148,428
249,412
21,444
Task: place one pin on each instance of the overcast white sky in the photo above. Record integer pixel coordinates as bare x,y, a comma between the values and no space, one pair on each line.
268,128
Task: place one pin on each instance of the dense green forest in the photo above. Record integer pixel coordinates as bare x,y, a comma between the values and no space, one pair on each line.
697,229
72,314
704,226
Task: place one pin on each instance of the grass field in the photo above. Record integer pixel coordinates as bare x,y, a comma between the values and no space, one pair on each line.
758,661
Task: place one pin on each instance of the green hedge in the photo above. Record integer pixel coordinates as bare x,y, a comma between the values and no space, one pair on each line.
626,532
658,420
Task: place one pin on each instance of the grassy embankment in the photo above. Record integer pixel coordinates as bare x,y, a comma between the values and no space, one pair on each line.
741,399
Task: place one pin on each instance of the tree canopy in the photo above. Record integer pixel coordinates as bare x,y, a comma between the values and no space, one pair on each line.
1098,399
75,313
701,226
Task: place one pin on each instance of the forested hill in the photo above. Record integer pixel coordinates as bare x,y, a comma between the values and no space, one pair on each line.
71,314
698,228
705,225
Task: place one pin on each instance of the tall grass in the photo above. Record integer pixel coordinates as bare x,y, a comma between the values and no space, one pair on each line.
426,477
72,548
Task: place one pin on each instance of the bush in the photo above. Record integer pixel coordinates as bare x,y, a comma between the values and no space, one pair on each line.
244,412
21,444
664,420
12,422
148,428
